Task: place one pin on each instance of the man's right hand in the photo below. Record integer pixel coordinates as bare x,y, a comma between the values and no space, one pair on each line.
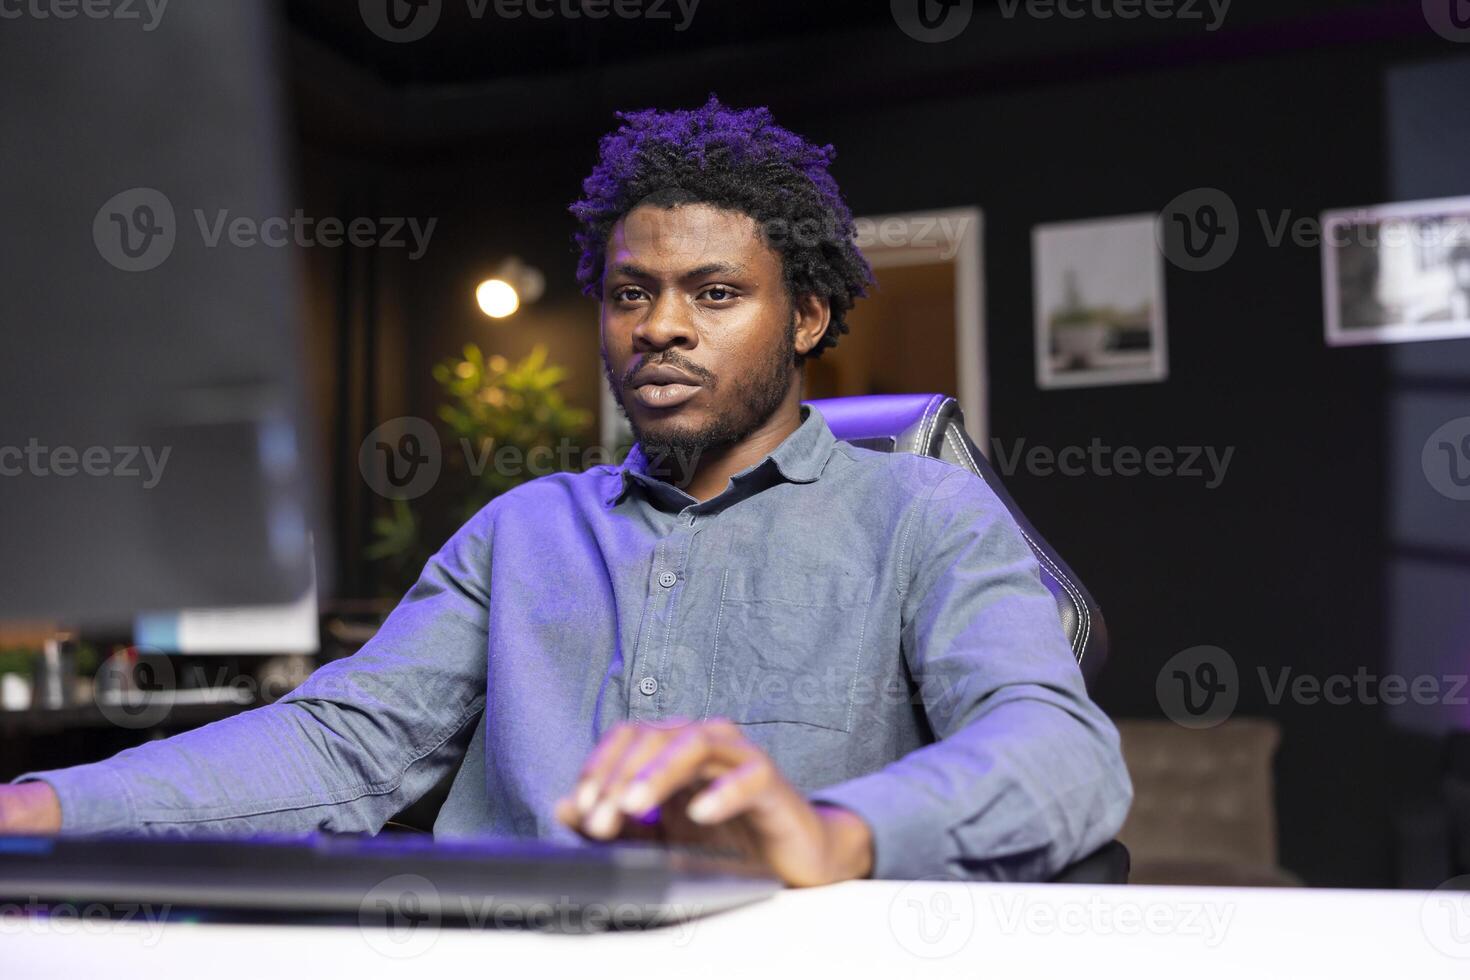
29,808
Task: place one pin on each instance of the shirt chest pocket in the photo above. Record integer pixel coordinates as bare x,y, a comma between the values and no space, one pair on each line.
788,648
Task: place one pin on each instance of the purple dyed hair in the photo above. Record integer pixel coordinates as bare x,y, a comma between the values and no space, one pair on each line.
733,159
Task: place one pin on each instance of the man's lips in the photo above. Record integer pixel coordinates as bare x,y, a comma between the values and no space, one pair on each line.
663,386
664,395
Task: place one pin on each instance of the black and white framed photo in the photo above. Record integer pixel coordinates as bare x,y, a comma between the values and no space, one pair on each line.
1394,273
1099,300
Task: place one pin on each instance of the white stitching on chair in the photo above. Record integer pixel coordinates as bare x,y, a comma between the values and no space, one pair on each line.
927,422
1082,611
1084,615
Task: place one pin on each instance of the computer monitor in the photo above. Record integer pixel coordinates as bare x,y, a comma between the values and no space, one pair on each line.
153,453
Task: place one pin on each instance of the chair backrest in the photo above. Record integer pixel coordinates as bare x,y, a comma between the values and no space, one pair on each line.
932,425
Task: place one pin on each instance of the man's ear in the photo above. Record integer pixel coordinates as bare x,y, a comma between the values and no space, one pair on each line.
812,314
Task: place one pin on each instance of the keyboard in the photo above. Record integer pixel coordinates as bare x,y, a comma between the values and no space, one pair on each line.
394,881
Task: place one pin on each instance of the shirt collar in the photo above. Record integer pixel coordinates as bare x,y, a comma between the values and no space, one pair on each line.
799,459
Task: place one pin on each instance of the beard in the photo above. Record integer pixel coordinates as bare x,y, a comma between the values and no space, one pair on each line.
755,396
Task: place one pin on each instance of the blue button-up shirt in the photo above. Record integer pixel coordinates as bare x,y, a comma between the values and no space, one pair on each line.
874,621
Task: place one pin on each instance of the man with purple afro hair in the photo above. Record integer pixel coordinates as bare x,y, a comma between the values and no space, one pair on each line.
739,160
723,256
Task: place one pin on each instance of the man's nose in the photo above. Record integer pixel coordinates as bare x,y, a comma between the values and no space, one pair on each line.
668,324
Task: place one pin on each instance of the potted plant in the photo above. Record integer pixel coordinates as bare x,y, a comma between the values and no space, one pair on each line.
507,423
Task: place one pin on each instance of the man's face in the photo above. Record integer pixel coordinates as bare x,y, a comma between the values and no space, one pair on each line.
699,334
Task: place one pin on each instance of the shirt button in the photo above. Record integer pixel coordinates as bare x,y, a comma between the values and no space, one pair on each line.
667,579
648,686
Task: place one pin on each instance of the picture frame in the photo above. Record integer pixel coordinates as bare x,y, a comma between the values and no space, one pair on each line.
1396,273
1098,287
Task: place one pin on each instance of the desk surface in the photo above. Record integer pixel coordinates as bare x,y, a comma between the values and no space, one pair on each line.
858,929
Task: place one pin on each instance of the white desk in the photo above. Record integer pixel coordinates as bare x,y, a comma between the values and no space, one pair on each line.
858,929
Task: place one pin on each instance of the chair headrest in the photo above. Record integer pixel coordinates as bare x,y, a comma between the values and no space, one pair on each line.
912,422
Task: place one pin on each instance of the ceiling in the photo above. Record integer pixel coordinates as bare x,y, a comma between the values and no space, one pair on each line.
471,43
480,76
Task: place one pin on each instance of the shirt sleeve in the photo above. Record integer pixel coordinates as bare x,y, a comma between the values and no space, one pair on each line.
360,740
1026,775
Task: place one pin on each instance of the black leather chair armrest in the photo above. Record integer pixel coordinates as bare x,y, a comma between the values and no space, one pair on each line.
1108,865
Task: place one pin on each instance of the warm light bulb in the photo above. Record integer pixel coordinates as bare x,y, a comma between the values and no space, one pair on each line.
497,298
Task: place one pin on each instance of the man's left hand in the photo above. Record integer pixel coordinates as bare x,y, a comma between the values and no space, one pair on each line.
704,783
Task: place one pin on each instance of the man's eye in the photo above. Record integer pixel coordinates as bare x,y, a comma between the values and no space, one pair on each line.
628,294
719,294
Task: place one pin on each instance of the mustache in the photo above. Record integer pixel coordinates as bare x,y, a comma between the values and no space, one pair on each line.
672,361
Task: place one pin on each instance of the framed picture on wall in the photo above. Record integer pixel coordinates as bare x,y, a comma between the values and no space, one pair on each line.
1393,273
1099,302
